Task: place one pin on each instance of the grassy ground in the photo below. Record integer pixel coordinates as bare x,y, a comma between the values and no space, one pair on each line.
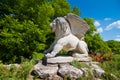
22,73
112,67
19,72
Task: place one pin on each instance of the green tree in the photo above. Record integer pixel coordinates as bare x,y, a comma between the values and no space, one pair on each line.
94,40
76,11
61,7
114,45
24,26
20,39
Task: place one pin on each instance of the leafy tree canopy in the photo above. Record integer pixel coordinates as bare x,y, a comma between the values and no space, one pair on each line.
94,40
114,45
25,32
24,26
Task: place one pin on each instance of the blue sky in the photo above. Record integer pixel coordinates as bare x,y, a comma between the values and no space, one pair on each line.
106,15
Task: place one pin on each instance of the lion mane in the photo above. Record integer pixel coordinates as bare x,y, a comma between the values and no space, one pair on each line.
60,26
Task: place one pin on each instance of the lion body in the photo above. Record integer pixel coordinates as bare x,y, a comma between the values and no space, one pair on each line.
65,39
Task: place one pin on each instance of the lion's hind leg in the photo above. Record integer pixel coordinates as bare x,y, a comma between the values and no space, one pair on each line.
82,47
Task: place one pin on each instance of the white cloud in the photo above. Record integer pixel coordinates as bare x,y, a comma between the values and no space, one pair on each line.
118,36
97,23
107,19
100,30
113,25
117,39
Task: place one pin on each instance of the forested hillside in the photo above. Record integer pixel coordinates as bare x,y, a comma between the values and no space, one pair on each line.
25,32
24,26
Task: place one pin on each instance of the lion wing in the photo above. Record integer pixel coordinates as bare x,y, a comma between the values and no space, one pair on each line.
78,26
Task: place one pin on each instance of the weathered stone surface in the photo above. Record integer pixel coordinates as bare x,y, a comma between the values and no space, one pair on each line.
66,70
55,77
60,59
45,71
58,71
85,71
88,72
67,59
98,70
78,55
81,57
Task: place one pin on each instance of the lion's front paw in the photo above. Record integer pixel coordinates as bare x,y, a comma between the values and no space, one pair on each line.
48,55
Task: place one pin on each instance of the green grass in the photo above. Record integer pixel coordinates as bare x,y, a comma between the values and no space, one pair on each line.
79,65
16,73
19,73
112,67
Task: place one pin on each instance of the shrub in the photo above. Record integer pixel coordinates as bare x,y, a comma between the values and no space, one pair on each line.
12,72
20,39
113,66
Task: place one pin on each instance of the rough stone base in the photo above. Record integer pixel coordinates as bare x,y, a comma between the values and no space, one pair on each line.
98,70
69,71
59,67
45,71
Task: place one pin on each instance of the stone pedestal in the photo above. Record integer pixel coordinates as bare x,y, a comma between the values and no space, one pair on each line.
60,59
57,68
65,59
81,57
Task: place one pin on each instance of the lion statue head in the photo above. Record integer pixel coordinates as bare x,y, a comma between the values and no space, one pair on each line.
60,26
